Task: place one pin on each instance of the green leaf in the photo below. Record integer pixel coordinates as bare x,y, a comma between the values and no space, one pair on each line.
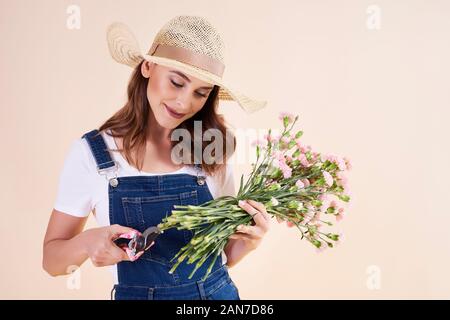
241,184
299,134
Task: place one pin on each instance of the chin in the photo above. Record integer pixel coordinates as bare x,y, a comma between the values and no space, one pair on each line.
168,123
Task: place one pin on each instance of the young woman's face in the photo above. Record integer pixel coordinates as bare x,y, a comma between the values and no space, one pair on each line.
173,95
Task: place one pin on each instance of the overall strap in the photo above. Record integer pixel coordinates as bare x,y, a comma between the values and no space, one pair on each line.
100,151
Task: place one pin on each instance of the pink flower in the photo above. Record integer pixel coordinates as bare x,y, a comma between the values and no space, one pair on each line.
303,160
339,216
276,163
333,204
260,143
287,171
325,199
338,161
347,190
306,182
348,163
269,138
278,155
290,116
315,156
286,139
311,209
300,184
316,217
341,177
341,164
279,161
342,180
290,224
324,206
328,178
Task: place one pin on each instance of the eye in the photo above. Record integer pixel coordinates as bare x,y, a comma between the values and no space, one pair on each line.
201,95
176,84
180,85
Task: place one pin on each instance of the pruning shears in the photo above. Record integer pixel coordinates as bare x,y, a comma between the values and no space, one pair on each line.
135,243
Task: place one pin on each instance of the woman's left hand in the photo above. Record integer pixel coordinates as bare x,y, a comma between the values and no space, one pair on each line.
253,235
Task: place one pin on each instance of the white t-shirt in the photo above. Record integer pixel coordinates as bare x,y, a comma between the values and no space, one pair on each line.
82,189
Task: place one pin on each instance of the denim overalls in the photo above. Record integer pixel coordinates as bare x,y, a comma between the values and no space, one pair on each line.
143,201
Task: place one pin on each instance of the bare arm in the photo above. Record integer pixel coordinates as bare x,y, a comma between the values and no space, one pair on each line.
236,250
63,243
66,244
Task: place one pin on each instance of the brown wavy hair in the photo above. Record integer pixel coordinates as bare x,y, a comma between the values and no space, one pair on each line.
131,123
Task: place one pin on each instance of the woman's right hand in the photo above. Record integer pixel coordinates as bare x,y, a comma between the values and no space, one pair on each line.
100,247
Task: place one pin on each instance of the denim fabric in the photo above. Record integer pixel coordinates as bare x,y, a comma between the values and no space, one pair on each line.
143,201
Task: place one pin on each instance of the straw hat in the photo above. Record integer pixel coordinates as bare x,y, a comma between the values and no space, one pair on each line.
187,43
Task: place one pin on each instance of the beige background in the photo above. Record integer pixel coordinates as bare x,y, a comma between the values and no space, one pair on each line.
380,97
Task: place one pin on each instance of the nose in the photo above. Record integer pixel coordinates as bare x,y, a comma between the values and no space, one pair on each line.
183,101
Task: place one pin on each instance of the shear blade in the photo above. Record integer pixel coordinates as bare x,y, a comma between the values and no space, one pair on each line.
150,234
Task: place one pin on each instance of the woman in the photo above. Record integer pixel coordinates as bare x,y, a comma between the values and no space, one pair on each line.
126,174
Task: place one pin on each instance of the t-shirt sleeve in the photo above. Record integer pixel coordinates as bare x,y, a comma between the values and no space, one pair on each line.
75,188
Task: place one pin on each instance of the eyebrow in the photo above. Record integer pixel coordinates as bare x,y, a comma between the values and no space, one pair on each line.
187,79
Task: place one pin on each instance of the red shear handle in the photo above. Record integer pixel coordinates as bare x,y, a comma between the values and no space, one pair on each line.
126,242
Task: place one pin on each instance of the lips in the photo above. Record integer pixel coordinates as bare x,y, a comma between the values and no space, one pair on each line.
173,113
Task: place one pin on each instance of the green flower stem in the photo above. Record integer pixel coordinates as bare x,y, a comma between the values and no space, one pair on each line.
214,221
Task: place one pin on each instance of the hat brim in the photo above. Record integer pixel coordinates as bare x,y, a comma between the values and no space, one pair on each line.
225,92
124,48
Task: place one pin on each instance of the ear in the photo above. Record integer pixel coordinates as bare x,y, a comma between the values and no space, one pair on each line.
146,68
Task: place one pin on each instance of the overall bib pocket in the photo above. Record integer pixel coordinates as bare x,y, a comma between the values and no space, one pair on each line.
146,211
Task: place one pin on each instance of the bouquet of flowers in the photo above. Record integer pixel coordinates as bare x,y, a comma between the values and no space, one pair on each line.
294,183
